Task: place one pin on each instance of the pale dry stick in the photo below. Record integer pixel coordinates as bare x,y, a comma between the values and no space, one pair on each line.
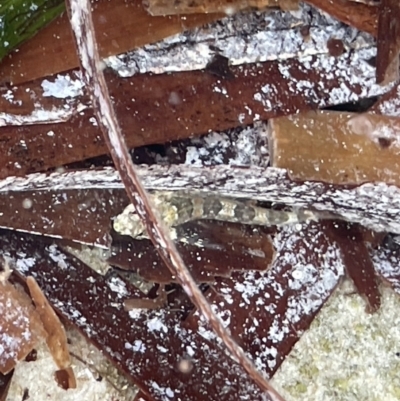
82,26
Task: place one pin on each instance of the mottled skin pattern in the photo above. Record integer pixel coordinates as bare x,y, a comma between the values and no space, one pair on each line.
177,208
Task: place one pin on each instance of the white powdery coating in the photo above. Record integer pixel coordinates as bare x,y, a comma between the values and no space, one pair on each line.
38,116
56,256
156,324
24,263
163,393
171,355
9,96
84,179
309,285
386,263
84,38
243,38
63,87
347,354
16,317
391,106
248,145
137,346
212,142
66,86
118,286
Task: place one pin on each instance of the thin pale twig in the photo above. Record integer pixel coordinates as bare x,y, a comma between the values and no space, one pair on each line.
82,26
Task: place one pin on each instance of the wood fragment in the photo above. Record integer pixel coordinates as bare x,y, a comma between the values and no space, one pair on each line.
389,103
64,214
225,248
173,7
79,137
82,25
56,337
372,238
126,26
358,262
337,147
267,312
93,304
160,301
388,41
362,204
386,259
362,16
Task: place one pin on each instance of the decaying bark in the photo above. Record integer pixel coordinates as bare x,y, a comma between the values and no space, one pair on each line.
373,205
135,342
170,7
273,308
387,60
126,25
362,16
82,26
359,266
337,147
223,249
303,71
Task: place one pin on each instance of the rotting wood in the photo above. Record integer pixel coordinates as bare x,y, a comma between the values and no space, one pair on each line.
388,41
80,16
139,344
257,92
388,104
357,259
373,205
244,39
83,216
337,147
72,302
361,16
171,7
65,378
19,102
267,312
160,301
225,248
54,46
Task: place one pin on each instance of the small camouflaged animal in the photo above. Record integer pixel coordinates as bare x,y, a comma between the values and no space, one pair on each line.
177,208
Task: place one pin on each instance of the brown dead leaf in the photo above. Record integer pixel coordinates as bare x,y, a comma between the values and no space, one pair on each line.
56,336
20,326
